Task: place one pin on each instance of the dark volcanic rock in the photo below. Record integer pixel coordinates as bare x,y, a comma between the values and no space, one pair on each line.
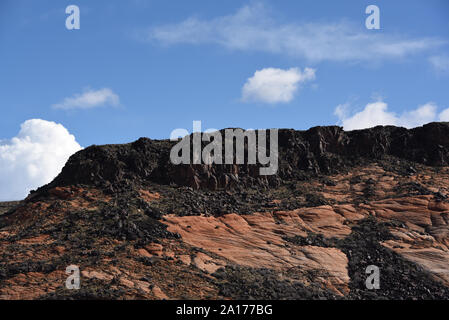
8,205
318,150
260,284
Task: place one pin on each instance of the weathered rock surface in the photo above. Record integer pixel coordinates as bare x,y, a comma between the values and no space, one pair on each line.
141,228
317,150
8,205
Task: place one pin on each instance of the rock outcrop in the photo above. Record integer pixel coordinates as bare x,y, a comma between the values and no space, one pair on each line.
140,227
320,150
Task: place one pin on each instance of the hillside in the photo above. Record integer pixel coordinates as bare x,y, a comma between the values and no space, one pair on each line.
140,227
8,205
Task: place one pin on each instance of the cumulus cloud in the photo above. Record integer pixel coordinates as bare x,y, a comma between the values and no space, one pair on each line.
440,63
90,99
377,113
34,157
271,85
444,115
252,28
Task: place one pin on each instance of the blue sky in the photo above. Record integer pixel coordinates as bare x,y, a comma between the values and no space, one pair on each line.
163,87
150,67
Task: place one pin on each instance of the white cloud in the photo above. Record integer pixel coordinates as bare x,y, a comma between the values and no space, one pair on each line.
374,114
377,113
440,63
444,115
422,115
90,99
252,29
34,157
273,85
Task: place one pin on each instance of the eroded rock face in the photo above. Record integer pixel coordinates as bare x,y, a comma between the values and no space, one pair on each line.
317,150
141,228
258,241
6,206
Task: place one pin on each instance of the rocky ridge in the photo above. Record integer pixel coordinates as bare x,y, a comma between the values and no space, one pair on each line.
319,150
140,227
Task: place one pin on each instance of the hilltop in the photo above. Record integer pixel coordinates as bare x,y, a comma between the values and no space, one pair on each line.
140,227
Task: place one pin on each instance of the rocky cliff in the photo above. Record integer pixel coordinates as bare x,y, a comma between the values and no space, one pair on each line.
320,150
139,226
